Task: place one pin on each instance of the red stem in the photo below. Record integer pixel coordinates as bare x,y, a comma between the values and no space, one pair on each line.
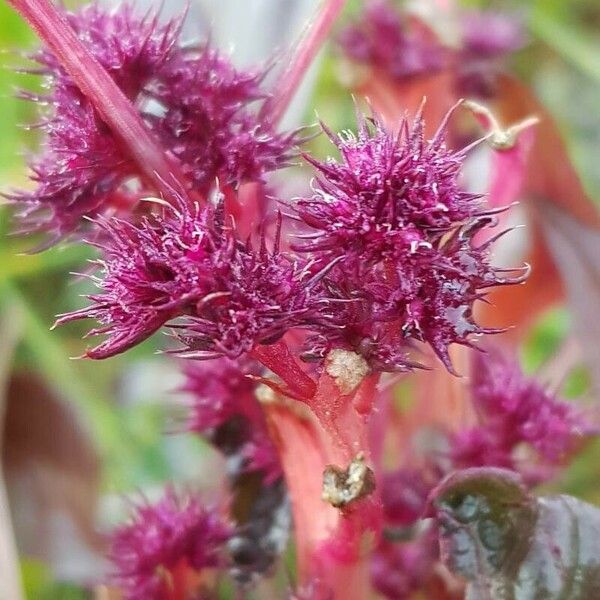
278,358
303,55
332,544
93,81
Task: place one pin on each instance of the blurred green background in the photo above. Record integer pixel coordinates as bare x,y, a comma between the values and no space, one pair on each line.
121,403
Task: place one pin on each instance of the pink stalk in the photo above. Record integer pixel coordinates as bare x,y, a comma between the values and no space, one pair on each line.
302,56
332,544
93,80
278,358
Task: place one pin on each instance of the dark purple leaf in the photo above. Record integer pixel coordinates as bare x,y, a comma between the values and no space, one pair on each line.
510,545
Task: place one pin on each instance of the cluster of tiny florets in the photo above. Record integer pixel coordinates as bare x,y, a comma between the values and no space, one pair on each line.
402,46
223,406
162,541
394,218
383,39
198,106
516,410
187,268
390,258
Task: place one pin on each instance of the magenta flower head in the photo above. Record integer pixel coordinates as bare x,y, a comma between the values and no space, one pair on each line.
186,268
384,39
199,109
516,410
393,214
162,542
487,38
488,34
224,407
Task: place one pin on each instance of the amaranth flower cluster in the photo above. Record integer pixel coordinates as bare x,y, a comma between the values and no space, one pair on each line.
164,545
390,258
404,46
188,264
393,217
515,410
202,111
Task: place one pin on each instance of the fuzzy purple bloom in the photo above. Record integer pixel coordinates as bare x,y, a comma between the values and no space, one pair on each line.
487,38
175,534
382,38
393,215
187,269
404,494
198,106
488,34
516,410
224,407
399,571
403,46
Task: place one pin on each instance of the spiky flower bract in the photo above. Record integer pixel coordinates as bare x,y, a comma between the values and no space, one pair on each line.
516,410
161,542
198,106
187,268
393,213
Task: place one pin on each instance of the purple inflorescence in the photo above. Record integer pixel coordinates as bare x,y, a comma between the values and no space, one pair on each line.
224,407
403,46
199,107
491,34
391,258
382,38
516,410
186,268
393,215
177,533
487,38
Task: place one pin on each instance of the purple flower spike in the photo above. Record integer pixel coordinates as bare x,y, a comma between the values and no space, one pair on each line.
84,165
393,214
187,269
382,38
488,34
516,410
199,110
385,184
175,533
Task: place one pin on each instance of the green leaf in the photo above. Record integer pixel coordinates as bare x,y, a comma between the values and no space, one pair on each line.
510,545
13,265
40,584
36,577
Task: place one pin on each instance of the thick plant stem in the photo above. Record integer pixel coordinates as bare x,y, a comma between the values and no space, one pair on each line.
303,55
108,99
332,542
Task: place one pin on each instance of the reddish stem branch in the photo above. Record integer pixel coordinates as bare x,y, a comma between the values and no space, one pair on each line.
331,543
302,56
108,99
278,358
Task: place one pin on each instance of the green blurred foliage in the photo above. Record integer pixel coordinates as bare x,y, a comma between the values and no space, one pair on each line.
39,584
